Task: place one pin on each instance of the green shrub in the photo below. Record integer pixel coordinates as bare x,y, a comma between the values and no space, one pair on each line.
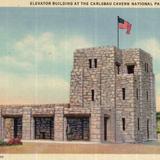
2,142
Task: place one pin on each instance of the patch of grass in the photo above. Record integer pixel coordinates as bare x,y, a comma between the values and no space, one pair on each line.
2,142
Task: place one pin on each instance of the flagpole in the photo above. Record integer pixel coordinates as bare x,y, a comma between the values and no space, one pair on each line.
117,33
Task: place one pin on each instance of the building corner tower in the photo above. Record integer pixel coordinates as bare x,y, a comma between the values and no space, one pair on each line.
118,88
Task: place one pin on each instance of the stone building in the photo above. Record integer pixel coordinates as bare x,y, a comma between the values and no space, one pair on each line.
112,99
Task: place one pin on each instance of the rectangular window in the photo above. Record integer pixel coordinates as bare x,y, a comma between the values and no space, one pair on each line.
137,93
95,63
90,63
123,93
147,95
92,92
147,67
123,124
118,69
138,124
147,128
130,69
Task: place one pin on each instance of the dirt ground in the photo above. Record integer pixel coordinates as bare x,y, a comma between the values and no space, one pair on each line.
88,148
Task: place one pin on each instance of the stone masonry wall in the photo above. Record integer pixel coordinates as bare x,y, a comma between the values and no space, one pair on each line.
101,79
9,128
96,127
84,78
59,124
153,134
148,104
26,123
131,57
125,109
144,82
28,112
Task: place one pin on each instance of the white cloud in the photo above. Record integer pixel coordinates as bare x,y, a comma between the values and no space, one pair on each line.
35,47
150,45
32,89
12,62
71,44
76,42
157,77
28,52
43,48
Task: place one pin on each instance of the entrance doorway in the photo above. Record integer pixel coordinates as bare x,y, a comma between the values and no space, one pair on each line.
147,128
105,128
13,127
44,127
77,128
18,127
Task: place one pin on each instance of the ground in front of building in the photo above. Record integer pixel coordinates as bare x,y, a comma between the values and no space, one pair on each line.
82,147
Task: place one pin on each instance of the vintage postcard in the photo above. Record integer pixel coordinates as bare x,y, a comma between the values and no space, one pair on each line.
79,79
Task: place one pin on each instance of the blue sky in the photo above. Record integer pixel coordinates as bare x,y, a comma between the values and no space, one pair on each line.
37,45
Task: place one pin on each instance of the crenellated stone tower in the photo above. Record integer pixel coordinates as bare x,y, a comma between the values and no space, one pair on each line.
119,84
